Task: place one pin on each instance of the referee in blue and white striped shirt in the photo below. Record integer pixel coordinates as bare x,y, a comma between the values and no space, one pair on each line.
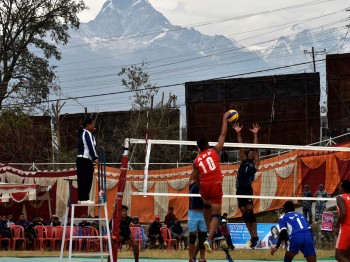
86,158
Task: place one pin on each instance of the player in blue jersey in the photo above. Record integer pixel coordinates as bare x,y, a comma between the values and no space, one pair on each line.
294,226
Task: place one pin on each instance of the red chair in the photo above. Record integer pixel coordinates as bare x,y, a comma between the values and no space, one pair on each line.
8,239
49,235
17,233
166,234
136,235
88,242
57,237
41,237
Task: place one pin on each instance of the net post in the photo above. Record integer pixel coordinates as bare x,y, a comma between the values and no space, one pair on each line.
148,153
119,200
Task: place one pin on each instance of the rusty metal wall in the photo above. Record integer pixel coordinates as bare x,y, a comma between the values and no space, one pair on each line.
286,106
338,90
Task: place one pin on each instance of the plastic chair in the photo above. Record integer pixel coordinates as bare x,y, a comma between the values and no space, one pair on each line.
166,234
49,235
136,234
58,234
8,239
41,237
17,233
88,242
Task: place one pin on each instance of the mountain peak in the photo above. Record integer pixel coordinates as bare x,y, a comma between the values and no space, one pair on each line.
126,17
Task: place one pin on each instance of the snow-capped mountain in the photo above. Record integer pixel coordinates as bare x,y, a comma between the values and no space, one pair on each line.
126,32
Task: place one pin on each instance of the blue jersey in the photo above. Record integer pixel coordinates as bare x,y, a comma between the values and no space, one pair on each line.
294,223
246,173
195,202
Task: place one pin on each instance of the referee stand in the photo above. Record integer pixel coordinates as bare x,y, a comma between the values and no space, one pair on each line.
102,204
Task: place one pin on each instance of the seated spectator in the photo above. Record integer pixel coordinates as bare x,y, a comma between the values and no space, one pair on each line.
125,233
84,223
4,232
224,216
226,233
178,233
170,217
22,221
10,220
30,232
154,233
55,221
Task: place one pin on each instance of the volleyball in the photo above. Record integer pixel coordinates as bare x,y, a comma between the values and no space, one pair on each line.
233,116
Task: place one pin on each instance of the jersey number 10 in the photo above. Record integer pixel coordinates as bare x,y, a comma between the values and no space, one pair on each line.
210,163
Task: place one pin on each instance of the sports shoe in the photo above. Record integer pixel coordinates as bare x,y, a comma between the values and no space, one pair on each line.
254,242
229,258
208,246
202,260
191,260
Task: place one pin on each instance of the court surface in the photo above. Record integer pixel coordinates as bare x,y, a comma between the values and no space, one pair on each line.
77,259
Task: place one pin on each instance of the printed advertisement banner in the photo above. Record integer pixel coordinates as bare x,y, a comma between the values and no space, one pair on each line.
241,237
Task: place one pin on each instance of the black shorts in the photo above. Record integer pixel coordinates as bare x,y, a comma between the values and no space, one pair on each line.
244,191
125,236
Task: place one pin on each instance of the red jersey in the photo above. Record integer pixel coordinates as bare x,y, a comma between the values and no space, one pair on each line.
346,222
208,165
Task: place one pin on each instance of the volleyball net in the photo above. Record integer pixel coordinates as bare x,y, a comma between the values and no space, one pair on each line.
283,172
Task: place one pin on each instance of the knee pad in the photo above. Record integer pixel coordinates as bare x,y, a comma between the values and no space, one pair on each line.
207,206
249,217
215,215
192,239
202,236
223,244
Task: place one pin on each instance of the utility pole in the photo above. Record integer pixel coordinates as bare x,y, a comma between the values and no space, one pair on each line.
313,54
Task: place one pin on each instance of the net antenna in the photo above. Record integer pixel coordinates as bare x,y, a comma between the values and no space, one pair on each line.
280,151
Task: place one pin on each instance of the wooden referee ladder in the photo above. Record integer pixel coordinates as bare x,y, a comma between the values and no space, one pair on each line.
101,205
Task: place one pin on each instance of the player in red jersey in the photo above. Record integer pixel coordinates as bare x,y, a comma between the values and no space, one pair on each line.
206,170
342,227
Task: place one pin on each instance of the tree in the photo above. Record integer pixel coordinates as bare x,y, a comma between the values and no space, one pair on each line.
30,31
24,139
159,121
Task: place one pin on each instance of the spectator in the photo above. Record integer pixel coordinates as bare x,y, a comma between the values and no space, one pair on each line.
10,220
320,206
307,204
55,221
22,221
220,240
4,232
125,233
170,217
273,239
154,233
177,233
224,230
224,216
84,223
30,232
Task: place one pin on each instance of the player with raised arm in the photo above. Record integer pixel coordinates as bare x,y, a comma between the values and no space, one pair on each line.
250,162
206,170
294,226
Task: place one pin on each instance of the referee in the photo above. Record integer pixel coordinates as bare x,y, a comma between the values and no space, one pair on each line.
86,158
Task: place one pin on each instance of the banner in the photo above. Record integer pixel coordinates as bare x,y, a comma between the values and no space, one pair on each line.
327,221
241,237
